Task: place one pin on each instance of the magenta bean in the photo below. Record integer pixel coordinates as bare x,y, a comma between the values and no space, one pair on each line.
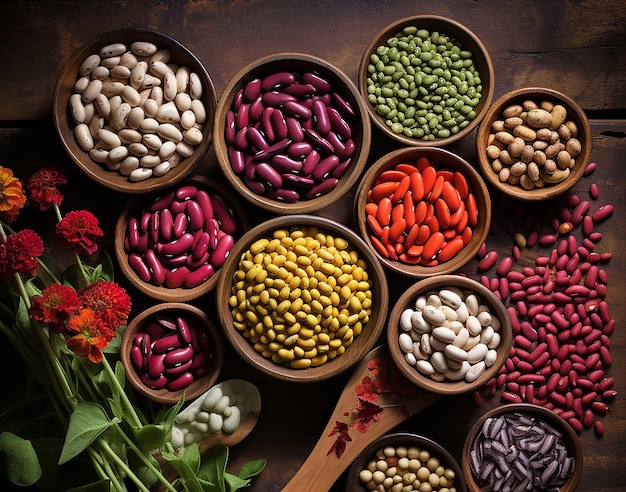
176,278
202,246
178,246
179,368
515,276
504,266
299,149
166,224
488,261
579,211
279,124
222,250
276,80
161,202
298,181
154,383
322,188
301,91
266,123
325,167
547,239
166,323
206,205
252,90
256,109
242,118
298,110
594,191
137,358
144,222
321,84
181,382
184,329
224,215
139,266
318,141
241,139
194,264
195,215
341,168
295,131
275,148
591,167
155,227
255,138
320,113
186,192
180,225
237,160
167,343
158,270
285,164
338,124
310,162
229,132
276,99
267,173
178,356
603,213
133,233
200,275
342,104
156,365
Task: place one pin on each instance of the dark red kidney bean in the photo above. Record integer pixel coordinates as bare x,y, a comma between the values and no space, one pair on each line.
252,90
178,356
488,261
338,124
139,266
322,188
156,365
181,382
276,99
156,383
176,278
321,84
222,250
603,213
276,80
179,368
320,113
301,91
199,275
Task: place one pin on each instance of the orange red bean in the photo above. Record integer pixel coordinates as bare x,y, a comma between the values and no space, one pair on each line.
420,214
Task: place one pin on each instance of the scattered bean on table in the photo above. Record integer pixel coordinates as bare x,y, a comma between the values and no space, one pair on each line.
301,296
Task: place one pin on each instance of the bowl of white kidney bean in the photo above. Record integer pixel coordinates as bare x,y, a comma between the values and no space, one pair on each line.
405,461
522,447
301,298
449,334
427,80
534,143
291,133
134,110
170,349
171,244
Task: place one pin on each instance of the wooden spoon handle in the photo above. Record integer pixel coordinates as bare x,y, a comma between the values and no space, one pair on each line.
376,398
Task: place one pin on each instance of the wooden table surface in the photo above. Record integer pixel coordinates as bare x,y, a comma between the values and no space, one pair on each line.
573,46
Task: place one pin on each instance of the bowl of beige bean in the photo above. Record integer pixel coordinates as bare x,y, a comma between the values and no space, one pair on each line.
534,143
134,109
449,334
302,298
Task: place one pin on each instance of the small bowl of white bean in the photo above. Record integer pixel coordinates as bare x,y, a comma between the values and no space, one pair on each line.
134,109
407,459
534,143
449,334
543,452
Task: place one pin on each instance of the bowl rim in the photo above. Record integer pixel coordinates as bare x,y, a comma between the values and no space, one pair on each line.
571,439
486,296
327,370
412,153
546,192
93,170
221,149
198,386
166,294
440,20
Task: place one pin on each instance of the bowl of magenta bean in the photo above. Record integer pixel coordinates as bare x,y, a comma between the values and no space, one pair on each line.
134,110
449,334
302,298
522,447
428,80
171,244
423,210
170,349
534,143
405,461
291,133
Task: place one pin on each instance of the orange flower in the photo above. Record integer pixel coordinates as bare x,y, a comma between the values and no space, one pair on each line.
12,198
90,338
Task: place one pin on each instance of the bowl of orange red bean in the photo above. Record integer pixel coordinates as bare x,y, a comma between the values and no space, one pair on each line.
534,143
170,349
424,211
522,447
449,334
291,133
405,461
171,244
134,110
302,298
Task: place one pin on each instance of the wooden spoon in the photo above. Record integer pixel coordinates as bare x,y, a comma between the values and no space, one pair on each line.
392,400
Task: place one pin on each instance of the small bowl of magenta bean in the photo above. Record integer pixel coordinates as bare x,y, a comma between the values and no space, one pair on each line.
170,349
302,298
449,334
134,110
522,447
427,80
405,461
291,133
534,143
423,210
172,244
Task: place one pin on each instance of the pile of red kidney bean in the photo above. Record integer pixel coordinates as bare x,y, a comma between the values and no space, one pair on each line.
560,318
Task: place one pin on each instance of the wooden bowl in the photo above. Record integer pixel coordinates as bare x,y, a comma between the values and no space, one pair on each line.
516,97
540,414
435,284
65,123
135,209
443,160
403,439
444,26
297,64
196,319
234,331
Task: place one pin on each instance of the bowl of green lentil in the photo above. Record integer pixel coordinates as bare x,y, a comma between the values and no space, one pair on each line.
302,298
428,80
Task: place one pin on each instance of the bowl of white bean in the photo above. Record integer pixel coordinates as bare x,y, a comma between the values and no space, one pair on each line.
134,109
449,334
407,459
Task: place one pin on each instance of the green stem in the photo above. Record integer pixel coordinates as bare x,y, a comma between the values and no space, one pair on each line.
109,473
120,463
122,393
48,271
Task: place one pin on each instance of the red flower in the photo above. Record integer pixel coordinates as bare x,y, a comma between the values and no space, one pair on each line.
91,337
12,198
19,253
54,306
79,230
42,187
109,302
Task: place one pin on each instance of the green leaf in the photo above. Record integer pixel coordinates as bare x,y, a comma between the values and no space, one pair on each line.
187,466
233,482
20,459
152,436
252,468
95,274
87,422
108,269
213,467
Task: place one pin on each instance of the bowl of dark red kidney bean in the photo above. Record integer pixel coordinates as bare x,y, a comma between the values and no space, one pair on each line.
170,349
291,133
522,447
424,211
171,244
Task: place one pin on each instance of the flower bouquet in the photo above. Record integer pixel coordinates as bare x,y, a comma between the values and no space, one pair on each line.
65,323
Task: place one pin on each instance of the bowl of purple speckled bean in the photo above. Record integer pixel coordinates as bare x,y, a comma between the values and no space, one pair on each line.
291,134
522,447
